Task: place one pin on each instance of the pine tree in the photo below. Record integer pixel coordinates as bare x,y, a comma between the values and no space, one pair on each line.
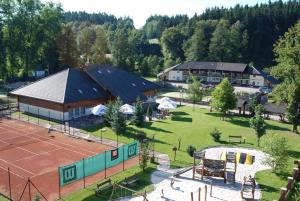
220,47
138,117
258,123
118,122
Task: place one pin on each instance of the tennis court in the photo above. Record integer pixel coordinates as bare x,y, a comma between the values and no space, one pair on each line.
31,152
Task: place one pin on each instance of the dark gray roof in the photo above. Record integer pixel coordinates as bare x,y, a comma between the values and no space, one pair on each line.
68,86
275,108
120,83
200,65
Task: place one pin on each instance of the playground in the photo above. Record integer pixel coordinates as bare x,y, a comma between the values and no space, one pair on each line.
180,185
30,157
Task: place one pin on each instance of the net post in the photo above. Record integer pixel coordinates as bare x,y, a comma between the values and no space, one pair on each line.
19,113
9,183
83,168
48,117
105,164
123,157
38,116
59,190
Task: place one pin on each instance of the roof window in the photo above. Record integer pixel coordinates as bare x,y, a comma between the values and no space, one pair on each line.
144,83
96,90
133,84
99,71
80,91
108,70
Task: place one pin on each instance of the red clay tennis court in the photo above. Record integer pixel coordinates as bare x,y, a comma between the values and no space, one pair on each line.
31,152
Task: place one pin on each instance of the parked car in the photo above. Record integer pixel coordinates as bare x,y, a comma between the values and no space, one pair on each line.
265,90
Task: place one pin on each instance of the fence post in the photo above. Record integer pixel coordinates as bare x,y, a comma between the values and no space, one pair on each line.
48,117
29,190
83,173
59,194
192,196
199,194
105,164
28,113
9,183
205,192
211,189
123,158
38,116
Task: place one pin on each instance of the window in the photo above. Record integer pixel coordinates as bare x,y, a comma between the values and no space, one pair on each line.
70,113
76,111
254,75
96,90
82,110
80,91
133,84
108,70
144,83
99,71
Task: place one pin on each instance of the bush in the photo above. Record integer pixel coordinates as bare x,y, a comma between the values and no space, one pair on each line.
216,135
190,150
277,148
141,136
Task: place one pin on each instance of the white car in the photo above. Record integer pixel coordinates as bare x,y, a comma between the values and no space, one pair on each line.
265,90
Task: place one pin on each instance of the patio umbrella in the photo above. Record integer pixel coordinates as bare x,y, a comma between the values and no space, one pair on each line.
165,105
127,109
166,99
99,110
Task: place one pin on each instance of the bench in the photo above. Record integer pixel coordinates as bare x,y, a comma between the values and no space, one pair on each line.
103,186
236,139
130,180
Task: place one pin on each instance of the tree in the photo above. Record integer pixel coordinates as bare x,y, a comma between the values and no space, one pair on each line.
172,41
287,51
67,48
118,122
239,42
149,112
196,48
108,114
194,92
223,97
258,123
138,116
100,47
144,155
220,46
277,148
86,39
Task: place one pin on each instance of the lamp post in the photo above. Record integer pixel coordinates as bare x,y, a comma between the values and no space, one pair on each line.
101,131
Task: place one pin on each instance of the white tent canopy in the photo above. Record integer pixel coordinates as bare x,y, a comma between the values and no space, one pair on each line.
99,110
127,109
165,105
166,99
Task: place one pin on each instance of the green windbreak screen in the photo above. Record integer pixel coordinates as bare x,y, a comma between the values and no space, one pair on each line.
97,163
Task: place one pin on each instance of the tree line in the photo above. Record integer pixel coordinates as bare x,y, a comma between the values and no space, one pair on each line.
35,35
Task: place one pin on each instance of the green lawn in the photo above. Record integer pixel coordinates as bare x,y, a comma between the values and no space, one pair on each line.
140,186
194,127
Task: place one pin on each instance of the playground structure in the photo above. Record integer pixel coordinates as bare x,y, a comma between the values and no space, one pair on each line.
224,168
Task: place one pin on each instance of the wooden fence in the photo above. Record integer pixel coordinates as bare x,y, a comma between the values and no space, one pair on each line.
284,191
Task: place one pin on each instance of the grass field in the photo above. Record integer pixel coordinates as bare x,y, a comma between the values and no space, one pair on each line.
194,127
140,186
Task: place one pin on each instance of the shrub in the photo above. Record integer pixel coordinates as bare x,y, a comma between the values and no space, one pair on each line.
190,150
277,148
216,135
141,136
144,156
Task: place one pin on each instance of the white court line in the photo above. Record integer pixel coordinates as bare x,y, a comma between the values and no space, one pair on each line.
35,154
28,157
17,166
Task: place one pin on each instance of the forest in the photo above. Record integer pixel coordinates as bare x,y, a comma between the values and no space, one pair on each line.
34,35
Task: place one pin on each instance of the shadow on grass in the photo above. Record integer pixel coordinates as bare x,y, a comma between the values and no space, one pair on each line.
294,154
179,113
182,119
268,189
148,125
143,182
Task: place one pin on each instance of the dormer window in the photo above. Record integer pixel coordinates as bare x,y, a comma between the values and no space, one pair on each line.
144,83
95,90
133,84
108,70
80,91
99,71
